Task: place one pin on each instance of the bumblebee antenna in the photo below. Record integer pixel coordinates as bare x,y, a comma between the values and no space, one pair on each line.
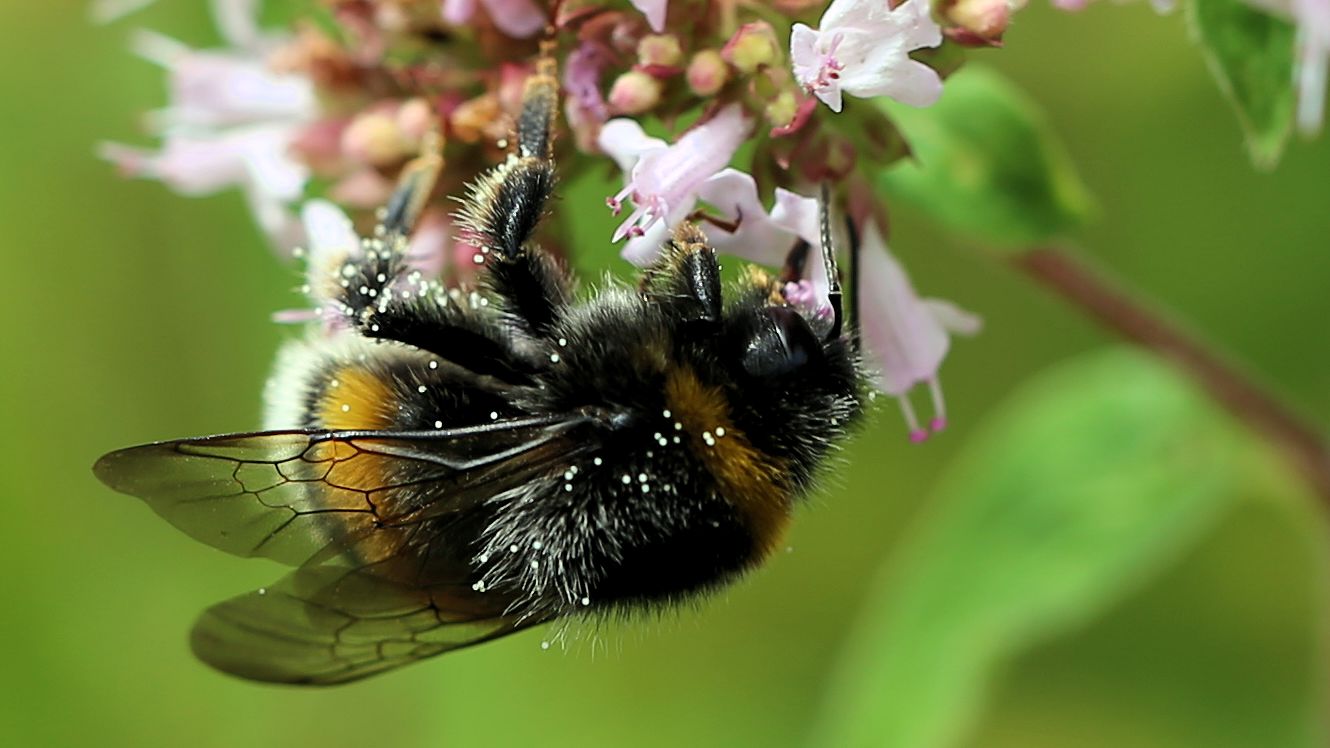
413,188
855,320
829,262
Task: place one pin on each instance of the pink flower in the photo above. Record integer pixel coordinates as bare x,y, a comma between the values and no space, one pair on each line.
581,81
254,158
862,48
905,336
520,19
767,238
654,10
231,122
664,180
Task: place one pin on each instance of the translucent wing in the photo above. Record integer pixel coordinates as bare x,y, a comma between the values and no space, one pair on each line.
381,525
323,625
295,495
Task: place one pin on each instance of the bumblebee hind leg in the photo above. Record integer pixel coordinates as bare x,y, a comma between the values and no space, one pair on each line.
504,207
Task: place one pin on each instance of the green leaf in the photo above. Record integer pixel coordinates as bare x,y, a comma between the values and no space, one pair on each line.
1079,489
1251,55
986,164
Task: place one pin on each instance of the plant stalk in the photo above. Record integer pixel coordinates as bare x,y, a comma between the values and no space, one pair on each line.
1088,289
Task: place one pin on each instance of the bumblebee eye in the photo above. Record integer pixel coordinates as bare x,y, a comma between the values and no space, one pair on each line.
781,342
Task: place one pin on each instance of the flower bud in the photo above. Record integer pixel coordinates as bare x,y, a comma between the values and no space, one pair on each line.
986,19
752,47
373,138
661,50
780,110
707,72
415,118
634,92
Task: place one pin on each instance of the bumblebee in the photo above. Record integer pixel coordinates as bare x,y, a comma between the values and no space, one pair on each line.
450,468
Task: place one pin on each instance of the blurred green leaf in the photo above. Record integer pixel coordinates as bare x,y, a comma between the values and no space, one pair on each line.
986,164
1251,54
1209,653
1082,486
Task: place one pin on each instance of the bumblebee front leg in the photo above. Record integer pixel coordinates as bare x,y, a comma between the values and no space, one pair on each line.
504,207
685,280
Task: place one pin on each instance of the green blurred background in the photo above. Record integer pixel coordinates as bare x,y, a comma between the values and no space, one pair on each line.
134,315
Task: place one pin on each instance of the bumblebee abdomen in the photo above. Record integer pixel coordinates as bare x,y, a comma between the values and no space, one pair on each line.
708,550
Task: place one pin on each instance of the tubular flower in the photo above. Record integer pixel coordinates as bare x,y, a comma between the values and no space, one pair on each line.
520,19
664,180
767,238
906,336
862,48
231,122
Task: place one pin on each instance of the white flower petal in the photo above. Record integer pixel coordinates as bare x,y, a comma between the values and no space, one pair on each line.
918,29
190,166
733,194
804,55
913,83
267,157
1313,59
851,13
625,141
332,237
862,48
654,10
643,250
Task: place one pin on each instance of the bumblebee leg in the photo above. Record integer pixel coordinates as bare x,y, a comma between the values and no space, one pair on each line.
384,299
414,186
686,278
504,207
370,279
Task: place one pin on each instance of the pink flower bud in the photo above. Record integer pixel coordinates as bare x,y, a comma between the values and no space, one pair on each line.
634,92
707,72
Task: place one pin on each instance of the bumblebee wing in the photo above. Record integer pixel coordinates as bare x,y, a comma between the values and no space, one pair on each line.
323,625
297,496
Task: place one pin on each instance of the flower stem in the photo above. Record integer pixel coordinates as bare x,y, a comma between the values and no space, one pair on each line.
1088,289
